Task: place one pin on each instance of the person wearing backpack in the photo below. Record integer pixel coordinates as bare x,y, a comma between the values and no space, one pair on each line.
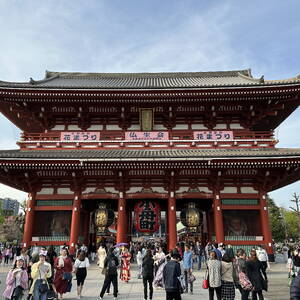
257,275
240,266
111,276
147,273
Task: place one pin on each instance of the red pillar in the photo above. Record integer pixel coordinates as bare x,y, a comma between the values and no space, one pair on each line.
218,217
172,230
75,222
122,220
265,224
29,220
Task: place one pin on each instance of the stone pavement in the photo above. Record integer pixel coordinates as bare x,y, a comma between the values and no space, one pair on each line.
278,289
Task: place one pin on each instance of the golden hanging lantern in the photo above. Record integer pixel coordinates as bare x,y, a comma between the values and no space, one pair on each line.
103,217
191,217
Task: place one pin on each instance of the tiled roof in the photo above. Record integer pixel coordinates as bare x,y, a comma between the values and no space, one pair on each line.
176,80
140,155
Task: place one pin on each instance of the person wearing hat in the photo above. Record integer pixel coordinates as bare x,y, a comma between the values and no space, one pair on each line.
40,272
16,281
170,277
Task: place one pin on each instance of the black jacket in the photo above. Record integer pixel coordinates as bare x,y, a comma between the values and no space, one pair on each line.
148,267
111,270
255,271
171,273
295,288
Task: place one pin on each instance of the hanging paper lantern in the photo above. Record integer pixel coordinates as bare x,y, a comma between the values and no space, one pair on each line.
191,216
103,217
147,216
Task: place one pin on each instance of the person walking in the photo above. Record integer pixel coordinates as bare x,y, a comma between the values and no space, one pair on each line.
16,281
147,273
257,275
92,251
188,267
111,263
262,256
125,268
101,256
240,266
199,252
171,273
139,260
80,269
63,273
214,275
40,272
227,285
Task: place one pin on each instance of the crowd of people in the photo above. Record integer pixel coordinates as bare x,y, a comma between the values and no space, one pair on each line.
43,272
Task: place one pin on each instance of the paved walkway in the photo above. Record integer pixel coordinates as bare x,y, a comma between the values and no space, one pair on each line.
134,289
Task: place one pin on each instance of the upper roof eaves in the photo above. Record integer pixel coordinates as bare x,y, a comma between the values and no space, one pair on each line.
173,80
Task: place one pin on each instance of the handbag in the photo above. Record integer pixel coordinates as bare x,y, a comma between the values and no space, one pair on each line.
192,278
67,276
43,287
245,282
205,282
17,292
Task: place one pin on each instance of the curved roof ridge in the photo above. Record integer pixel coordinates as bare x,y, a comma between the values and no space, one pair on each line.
286,80
257,80
246,72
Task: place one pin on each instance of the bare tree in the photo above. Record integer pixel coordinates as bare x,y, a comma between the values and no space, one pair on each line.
296,200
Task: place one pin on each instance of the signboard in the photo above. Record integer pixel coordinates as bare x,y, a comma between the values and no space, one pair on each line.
146,135
80,136
213,135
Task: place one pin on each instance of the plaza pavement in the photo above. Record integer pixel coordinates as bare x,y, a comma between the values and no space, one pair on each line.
278,289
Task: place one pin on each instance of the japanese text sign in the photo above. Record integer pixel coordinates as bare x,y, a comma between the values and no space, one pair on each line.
146,135
80,136
213,135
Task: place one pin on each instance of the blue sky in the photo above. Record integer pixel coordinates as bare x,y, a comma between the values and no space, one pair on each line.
150,36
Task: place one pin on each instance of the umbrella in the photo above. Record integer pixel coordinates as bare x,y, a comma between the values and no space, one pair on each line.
120,244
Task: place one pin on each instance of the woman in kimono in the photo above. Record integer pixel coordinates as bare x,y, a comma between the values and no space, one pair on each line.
63,275
101,257
159,264
125,267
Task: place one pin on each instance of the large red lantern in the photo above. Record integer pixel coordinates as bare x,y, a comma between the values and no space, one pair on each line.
147,216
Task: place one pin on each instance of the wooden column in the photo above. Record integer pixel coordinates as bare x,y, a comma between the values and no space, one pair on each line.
265,224
75,222
218,218
29,220
122,220
172,230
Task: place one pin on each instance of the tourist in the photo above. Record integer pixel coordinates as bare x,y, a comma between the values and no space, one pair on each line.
40,272
147,272
218,252
227,286
159,264
221,248
125,267
295,288
262,256
80,266
188,267
257,275
240,266
179,249
285,250
63,273
296,260
84,248
16,281
214,275
101,256
7,254
139,260
111,263
199,252
171,273
24,255
92,251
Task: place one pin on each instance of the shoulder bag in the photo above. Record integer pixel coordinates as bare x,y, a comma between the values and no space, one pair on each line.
205,282
17,292
43,287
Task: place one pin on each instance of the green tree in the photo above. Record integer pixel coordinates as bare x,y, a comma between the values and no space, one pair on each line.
276,219
292,224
